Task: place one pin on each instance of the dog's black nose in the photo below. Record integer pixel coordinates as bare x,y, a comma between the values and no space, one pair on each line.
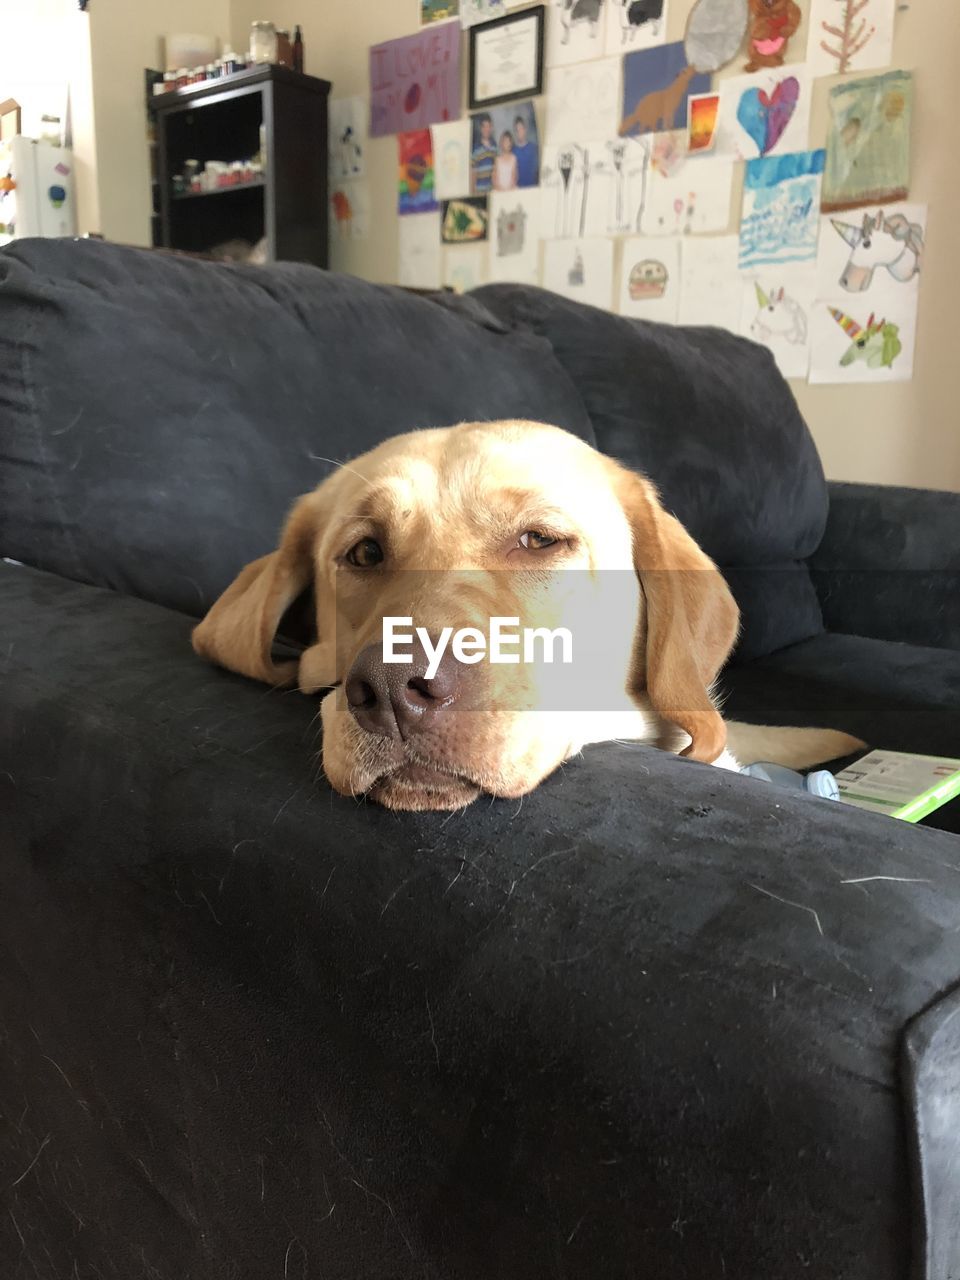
397,700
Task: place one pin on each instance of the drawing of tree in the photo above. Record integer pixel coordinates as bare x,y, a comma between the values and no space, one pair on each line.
850,35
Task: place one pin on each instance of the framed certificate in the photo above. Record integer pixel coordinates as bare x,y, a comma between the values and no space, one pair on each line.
506,58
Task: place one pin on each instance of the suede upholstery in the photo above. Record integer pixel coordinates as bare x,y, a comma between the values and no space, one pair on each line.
172,466
595,1032
747,482
889,564
658,1020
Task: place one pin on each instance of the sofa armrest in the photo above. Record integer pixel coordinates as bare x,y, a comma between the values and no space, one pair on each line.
654,1013
889,564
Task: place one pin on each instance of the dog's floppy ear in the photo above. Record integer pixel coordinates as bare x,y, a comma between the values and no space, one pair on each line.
238,632
690,624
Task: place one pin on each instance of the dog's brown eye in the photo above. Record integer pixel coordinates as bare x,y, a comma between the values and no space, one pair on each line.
366,554
534,540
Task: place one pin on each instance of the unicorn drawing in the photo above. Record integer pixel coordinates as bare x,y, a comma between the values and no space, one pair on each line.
778,316
877,343
893,242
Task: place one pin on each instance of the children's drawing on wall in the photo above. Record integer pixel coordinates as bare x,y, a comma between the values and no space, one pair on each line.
775,312
465,267
656,85
710,282
881,243
348,138
419,251
451,158
580,269
504,149
779,316
464,221
764,114
781,210
583,101
850,35
341,211
566,190
474,11
635,24
350,211
415,184
715,31
703,112
877,343
764,117
511,232
868,147
575,30
630,163
514,236
349,221
438,10
686,197
650,279
868,341
415,81
592,189
772,24
873,252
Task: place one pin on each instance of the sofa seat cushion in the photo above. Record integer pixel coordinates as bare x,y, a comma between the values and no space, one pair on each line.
236,1000
160,414
707,416
903,697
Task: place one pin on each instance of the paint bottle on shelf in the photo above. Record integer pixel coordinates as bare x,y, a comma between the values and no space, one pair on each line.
284,49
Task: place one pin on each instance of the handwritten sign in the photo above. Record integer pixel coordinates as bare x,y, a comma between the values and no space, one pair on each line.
415,82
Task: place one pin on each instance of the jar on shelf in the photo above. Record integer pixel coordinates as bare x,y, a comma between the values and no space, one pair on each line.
263,42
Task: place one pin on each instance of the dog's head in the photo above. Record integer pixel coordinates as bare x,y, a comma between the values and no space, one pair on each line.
449,529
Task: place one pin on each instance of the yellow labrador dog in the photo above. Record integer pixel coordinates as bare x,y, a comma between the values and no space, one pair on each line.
463,524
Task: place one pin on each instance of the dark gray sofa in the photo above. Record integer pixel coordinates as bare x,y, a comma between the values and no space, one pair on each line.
645,1024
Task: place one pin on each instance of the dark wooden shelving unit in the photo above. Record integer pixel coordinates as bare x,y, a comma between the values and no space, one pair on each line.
221,120
219,191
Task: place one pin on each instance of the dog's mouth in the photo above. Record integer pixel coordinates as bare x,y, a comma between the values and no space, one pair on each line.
419,785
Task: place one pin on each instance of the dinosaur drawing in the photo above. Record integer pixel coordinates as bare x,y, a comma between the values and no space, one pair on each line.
877,343
656,111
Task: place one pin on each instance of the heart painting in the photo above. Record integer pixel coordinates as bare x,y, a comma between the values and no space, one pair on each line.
764,116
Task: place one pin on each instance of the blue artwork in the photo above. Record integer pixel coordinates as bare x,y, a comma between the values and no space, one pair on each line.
656,85
781,209
764,116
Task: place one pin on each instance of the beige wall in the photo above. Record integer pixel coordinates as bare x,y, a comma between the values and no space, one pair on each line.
904,433
909,432
337,37
125,37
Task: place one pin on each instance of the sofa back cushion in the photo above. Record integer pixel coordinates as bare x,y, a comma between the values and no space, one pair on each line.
159,414
707,416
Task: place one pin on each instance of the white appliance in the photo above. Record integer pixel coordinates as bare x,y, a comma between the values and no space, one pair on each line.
36,190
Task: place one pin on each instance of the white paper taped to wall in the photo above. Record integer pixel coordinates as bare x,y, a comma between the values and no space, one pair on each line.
419,251
580,269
